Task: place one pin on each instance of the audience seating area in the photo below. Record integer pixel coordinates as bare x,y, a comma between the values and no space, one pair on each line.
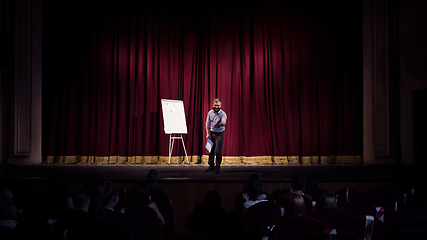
358,216
376,215
47,217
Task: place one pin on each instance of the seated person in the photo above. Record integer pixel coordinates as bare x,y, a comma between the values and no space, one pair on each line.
58,198
256,190
294,204
139,195
75,218
207,214
110,200
298,184
152,178
311,183
23,223
95,190
238,202
8,212
81,200
326,200
245,187
110,197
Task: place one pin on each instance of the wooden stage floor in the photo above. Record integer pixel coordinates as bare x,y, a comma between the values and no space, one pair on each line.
228,173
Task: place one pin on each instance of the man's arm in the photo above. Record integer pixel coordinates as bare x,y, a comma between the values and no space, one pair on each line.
207,131
223,120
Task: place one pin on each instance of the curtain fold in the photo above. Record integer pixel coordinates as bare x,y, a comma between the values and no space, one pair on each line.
289,74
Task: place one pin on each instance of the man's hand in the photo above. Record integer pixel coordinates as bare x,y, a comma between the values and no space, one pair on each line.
246,196
222,123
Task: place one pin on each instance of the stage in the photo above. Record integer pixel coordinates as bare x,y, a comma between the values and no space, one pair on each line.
228,173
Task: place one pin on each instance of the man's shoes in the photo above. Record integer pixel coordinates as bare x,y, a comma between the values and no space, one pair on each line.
216,171
210,169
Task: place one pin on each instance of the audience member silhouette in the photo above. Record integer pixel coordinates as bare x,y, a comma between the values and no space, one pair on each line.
58,197
311,183
298,184
256,189
24,224
208,217
110,200
76,218
8,214
245,187
326,200
139,195
240,200
153,177
294,204
94,188
81,200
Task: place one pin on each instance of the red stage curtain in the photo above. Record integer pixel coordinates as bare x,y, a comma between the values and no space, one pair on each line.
289,74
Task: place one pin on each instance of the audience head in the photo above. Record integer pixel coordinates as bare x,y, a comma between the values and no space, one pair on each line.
326,200
252,177
311,183
153,176
95,190
297,182
6,197
212,200
111,194
245,187
139,193
294,204
59,194
81,200
255,187
7,209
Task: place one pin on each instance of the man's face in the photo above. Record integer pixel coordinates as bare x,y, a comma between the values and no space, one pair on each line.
216,106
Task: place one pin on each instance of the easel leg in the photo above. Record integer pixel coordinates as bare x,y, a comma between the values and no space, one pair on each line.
188,162
171,142
170,148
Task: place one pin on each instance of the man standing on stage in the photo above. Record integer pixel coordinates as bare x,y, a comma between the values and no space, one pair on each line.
215,126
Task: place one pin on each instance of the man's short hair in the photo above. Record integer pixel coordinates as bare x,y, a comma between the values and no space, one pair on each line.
110,190
255,187
216,100
6,197
297,182
153,176
80,197
139,193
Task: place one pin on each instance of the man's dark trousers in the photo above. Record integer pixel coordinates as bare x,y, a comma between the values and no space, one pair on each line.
218,139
